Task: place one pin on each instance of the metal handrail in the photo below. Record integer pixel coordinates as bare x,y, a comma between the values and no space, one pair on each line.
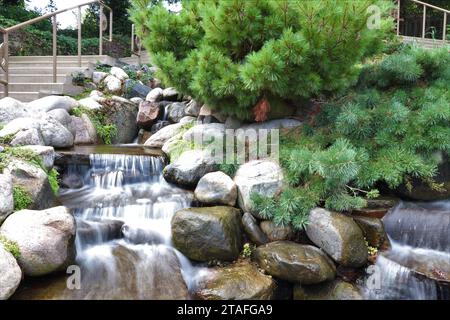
424,19
4,47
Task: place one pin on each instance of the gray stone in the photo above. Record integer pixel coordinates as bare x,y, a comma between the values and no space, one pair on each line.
6,196
264,177
155,95
273,124
176,112
209,233
49,103
31,136
205,133
137,100
139,91
372,229
187,120
90,103
113,84
98,76
11,109
85,132
206,111
253,231
193,108
45,239
294,262
46,153
170,94
187,170
216,188
63,117
119,73
10,274
122,113
339,236
275,232
55,134
158,139
148,114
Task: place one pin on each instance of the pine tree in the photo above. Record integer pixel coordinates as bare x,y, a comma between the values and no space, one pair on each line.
233,54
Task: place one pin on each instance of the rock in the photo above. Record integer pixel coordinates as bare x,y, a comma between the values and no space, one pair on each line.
176,112
98,76
273,124
90,103
139,90
216,188
193,108
155,95
233,123
206,112
6,196
137,100
253,231
159,125
240,281
49,103
63,117
332,290
31,136
122,114
45,239
372,229
11,109
171,145
17,125
97,232
10,274
339,236
47,154
294,262
143,135
205,133
187,120
187,170
170,94
34,181
158,139
113,84
277,233
55,134
85,132
209,233
148,113
264,177
119,73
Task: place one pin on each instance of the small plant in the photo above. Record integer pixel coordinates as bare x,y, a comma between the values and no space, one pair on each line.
10,246
105,131
247,250
22,199
102,67
78,78
53,180
229,168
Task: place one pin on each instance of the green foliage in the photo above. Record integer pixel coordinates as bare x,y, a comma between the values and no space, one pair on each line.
229,168
22,199
53,180
390,128
10,246
247,250
105,131
231,54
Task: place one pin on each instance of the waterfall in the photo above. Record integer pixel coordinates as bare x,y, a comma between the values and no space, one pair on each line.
123,213
417,266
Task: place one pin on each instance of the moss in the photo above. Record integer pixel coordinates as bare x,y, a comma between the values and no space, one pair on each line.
22,198
82,95
10,246
6,139
53,180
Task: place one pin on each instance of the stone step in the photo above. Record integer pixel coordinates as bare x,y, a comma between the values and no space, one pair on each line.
41,70
60,58
60,64
34,78
34,87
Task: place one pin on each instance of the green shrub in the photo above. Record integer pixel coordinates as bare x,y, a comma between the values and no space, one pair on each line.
372,134
22,199
10,246
105,131
53,180
231,54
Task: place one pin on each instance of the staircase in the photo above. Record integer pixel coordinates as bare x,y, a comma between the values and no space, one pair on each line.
424,42
31,77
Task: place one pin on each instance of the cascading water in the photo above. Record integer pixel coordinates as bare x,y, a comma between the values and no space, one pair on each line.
123,241
417,266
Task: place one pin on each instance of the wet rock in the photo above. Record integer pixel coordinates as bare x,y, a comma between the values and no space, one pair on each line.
6,196
294,262
10,274
332,290
193,108
209,233
216,188
148,113
240,281
49,103
155,95
34,181
339,236
45,153
176,112
143,136
45,239
142,235
187,170
264,177
119,73
275,232
97,232
170,94
113,84
98,76
158,139
253,231
11,109
372,229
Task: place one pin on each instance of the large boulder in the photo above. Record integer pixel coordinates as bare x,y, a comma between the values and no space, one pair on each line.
294,262
372,229
155,95
158,139
98,76
6,196
55,134
45,153
276,232
138,91
170,94
148,113
119,73
240,281
33,180
49,103
216,188
204,133
264,177
187,170
272,124
339,236
122,113
113,85
63,117
45,239
176,111
193,108
209,233
253,231
11,109
85,132
331,290
90,103
10,274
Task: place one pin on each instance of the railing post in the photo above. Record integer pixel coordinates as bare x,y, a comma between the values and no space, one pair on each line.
79,37
54,49
100,44
424,20
6,53
398,17
132,38
444,32
110,25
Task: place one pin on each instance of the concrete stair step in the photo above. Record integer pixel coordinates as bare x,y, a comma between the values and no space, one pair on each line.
21,96
60,58
34,87
42,70
47,64
35,78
